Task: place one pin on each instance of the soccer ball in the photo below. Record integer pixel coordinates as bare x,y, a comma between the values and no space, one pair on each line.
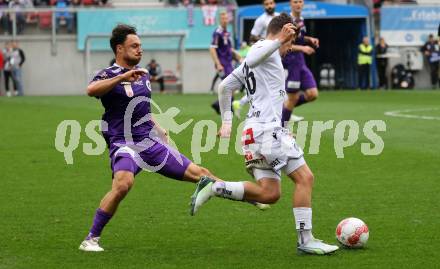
352,232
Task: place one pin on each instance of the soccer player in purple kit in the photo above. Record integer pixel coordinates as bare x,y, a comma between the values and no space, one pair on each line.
300,84
117,86
222,52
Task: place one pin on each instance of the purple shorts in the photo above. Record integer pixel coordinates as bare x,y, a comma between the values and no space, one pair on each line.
154,157
227,69
299,79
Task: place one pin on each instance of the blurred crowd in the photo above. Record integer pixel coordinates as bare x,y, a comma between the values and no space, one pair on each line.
44,18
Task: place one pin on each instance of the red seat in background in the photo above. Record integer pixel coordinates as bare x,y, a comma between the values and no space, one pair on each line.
45,19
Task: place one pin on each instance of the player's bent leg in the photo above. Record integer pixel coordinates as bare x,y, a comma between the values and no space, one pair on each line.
122,183
303,177
267,192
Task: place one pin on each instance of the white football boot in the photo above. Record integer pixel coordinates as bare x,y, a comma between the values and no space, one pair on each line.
202,194
296,118
261,206
316,246
91,244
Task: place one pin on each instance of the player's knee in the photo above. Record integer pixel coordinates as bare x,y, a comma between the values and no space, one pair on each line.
312,94
271,196
123,185
307,179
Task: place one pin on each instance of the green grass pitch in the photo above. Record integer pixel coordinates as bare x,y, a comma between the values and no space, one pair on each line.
47,206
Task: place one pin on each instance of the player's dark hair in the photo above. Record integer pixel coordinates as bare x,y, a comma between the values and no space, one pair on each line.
119,35
277,23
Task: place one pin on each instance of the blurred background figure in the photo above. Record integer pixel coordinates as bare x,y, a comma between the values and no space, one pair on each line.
64,18
18,6
432,52
18,60
364,63
382,63
260,26
156,74
221,52
7,71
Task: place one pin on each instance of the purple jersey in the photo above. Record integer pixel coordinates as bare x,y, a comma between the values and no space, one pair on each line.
297,57
221,41
144,152
115,103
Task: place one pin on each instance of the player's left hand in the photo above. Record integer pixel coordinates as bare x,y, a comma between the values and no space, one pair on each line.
163,134
315,42
225,130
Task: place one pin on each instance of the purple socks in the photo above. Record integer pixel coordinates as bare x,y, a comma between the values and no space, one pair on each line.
101,219
285,117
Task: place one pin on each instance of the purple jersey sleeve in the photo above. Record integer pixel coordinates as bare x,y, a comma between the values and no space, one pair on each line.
215,39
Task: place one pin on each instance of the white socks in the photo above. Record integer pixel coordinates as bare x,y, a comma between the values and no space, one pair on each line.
303,221
229,190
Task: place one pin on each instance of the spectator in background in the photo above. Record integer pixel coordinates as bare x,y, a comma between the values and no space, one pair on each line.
382,63
19,15
64,17
4,16
156,74
364,63
1,63
18,58
432,52
7,56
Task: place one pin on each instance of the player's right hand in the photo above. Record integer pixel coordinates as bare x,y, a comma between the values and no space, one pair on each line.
225,130
133,75
287,33
219,67
308,50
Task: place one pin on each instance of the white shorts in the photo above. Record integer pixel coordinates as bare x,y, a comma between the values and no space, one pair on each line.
268,149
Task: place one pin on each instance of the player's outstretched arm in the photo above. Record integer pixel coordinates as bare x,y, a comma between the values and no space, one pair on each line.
101,87
312,40
225,90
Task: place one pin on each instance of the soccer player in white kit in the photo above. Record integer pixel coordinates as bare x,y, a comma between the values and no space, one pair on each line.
268,147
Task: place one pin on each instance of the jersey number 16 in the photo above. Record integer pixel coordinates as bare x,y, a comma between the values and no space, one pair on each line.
250,79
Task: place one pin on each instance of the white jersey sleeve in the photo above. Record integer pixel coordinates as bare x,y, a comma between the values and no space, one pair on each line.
259,28
232,82
261,51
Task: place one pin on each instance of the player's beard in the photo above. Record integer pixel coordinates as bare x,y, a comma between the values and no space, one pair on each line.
132,61
270,10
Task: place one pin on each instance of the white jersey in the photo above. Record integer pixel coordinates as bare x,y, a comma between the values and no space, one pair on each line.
264,84
261,23
268,147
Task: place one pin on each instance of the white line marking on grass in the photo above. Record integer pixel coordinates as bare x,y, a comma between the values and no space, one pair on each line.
399,114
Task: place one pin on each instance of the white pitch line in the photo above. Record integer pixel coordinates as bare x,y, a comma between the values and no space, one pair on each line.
398,113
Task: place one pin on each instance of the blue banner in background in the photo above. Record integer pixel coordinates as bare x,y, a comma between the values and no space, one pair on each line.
157,20
409,25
